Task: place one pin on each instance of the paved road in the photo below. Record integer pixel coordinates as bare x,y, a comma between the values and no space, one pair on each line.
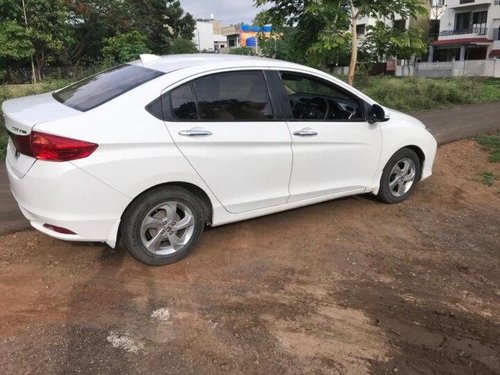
447,126
462,122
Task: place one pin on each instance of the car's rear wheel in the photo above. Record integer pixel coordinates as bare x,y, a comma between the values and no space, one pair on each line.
163,225
400,176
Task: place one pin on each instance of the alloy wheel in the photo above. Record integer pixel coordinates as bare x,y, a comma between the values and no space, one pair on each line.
167,228
402,177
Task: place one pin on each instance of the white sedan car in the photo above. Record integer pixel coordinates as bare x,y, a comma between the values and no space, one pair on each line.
153,151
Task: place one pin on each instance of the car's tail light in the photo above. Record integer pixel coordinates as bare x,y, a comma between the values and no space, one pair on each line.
52,147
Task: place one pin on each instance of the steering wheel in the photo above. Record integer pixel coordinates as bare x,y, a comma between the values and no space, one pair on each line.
315,109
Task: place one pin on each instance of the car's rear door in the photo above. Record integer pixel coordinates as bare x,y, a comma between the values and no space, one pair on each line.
334,153
228,129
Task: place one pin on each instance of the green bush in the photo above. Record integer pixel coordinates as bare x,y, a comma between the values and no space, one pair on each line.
124,47
246,51
492,144
180,45
417,94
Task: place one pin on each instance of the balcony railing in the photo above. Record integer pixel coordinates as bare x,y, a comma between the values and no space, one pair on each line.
479,30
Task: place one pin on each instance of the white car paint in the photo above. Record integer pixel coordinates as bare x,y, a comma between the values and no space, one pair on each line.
246,169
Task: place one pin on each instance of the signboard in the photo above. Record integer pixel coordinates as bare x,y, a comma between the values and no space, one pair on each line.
249,34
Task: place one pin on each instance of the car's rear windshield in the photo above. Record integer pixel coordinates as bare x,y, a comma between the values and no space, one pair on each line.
102,87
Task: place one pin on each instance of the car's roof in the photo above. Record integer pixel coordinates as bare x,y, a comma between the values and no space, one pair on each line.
208,61
170,63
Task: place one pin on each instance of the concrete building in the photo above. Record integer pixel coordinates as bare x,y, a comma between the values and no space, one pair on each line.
469,30
232,33
430,23
208,36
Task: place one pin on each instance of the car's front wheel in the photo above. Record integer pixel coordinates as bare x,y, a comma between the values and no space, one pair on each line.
163,225
400,176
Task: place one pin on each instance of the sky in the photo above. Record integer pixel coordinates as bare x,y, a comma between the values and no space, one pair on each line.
226,11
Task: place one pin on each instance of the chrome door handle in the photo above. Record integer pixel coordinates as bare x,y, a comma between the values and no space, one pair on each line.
195,132
306,132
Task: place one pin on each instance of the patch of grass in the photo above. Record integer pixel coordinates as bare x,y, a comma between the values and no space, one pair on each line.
487,178
491,90
3,144
419,94
492,144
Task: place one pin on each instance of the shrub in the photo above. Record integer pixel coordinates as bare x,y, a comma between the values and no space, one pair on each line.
416,94
492,144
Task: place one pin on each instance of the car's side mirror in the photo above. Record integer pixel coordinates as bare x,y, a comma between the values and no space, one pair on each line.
377,114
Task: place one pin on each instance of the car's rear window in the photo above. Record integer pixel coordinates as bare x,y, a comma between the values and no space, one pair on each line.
102,87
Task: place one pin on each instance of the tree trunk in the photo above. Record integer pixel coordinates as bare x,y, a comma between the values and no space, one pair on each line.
33,76
354,50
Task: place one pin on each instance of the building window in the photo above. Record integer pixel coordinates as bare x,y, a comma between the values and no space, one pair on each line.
479,20
434,28
360,29
399,25
462,23
468,23
466,1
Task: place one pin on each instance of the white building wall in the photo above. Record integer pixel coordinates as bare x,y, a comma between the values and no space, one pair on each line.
204,36
454,7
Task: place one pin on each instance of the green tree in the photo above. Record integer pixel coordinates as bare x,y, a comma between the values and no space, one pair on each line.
36,28
124,47
408,44
93,21
49,31
327,25
384,41
15,43
378,41
161,21
180,45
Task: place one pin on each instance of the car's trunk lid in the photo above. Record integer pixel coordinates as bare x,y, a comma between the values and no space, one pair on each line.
21,115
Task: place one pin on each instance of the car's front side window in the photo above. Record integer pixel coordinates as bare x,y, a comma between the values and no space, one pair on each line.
313,99
233,96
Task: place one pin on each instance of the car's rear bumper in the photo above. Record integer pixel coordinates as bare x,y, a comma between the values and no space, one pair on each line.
62,195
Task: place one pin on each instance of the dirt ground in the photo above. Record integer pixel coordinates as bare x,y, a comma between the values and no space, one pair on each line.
351,286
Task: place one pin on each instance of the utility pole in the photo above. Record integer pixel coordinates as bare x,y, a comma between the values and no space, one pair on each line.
33,76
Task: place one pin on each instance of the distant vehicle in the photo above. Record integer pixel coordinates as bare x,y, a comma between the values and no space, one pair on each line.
155,150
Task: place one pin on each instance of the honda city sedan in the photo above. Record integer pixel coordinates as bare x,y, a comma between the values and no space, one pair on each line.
153,151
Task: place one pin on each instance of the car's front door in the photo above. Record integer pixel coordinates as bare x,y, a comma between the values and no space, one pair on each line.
226,127
335,150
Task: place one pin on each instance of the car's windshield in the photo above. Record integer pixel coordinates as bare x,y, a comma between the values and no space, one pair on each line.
102,87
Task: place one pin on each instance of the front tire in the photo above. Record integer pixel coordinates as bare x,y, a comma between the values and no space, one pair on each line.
163,225
399,177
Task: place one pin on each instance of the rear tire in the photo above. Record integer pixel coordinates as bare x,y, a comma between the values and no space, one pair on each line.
163,225
400,175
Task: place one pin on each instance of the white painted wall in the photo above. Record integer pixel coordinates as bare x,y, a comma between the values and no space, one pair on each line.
454,7
204,36
468,68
